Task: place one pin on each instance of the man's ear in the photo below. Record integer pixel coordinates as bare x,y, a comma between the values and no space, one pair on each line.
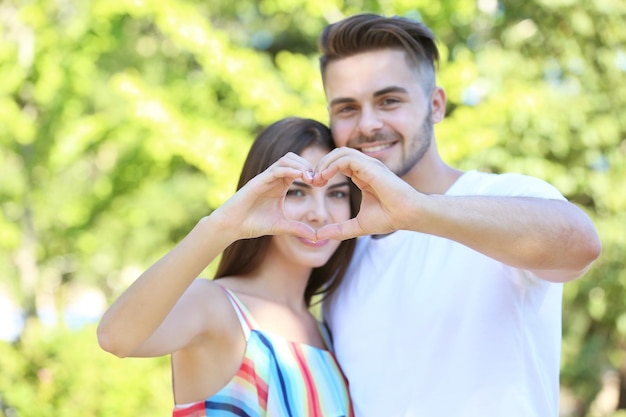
438,104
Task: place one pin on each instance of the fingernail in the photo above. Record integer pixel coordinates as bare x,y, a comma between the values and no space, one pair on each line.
309,174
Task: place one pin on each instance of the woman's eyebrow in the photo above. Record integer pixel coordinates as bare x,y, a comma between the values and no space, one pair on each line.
305,185
340,184
300,184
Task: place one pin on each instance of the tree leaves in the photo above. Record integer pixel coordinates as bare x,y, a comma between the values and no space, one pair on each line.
122,123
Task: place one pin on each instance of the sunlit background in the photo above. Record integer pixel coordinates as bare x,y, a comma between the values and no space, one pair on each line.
124,122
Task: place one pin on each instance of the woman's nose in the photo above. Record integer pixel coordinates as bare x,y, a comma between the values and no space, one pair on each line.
318,212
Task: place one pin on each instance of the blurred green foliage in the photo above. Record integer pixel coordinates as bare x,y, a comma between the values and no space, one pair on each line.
122,123
52,373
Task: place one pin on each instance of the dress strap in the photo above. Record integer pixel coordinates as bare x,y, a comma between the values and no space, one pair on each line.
245,318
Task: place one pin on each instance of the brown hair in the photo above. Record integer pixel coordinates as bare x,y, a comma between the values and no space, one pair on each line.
291,134
370,32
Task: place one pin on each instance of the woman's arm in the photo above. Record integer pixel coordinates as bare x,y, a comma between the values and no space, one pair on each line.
151,303
163,291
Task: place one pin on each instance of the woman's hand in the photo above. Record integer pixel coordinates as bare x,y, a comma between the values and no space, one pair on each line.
257,208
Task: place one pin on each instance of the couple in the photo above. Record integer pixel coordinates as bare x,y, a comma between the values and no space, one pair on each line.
451,305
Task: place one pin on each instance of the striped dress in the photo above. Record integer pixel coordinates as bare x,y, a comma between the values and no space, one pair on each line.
277,378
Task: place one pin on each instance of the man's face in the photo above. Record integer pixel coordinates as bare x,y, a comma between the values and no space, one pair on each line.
378,106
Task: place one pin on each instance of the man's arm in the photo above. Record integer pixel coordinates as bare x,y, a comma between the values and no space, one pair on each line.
553,238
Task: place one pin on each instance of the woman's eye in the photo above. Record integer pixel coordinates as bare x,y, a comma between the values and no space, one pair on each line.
339,194
295,193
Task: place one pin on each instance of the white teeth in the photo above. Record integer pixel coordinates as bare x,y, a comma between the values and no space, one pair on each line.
375,148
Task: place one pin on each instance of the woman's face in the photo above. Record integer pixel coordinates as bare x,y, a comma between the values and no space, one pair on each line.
315,206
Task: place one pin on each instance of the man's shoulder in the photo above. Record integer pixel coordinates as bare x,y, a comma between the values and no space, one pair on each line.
503,184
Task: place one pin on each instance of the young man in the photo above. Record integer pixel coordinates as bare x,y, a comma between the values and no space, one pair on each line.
458,311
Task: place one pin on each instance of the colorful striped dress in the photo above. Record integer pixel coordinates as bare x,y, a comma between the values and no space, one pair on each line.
277,378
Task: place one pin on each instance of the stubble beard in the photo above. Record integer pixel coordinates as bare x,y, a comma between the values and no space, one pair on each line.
419,145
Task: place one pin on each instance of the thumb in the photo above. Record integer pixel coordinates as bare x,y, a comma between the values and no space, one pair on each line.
300,229
340,231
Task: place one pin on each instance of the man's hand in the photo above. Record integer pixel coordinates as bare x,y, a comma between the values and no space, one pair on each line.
384,194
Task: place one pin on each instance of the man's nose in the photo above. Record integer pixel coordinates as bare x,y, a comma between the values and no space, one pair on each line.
370,121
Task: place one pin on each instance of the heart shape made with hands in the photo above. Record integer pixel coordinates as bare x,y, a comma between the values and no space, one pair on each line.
333,230
376,206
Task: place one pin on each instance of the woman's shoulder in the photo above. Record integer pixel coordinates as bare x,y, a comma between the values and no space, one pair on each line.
206,297
204,291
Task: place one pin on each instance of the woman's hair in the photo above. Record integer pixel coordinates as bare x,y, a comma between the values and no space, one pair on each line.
370,32
244,256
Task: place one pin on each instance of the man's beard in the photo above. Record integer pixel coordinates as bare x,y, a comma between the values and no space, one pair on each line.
419,144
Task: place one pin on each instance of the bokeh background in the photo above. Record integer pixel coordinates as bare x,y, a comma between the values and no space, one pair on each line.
122,122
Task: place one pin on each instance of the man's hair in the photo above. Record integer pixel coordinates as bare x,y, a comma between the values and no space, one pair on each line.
370,32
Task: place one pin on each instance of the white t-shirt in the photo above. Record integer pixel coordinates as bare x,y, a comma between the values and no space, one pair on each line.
427,327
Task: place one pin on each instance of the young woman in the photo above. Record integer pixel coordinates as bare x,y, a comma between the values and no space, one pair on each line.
245,343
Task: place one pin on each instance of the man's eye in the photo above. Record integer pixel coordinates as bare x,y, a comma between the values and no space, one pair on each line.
345,109
390,101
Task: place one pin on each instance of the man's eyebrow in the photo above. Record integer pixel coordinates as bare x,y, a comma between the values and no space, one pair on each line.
381,92
391,89
341,100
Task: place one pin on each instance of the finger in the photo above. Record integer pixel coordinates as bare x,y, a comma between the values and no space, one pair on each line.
334,155
295,161
274,173
340,231
349,162
296,228
325,168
